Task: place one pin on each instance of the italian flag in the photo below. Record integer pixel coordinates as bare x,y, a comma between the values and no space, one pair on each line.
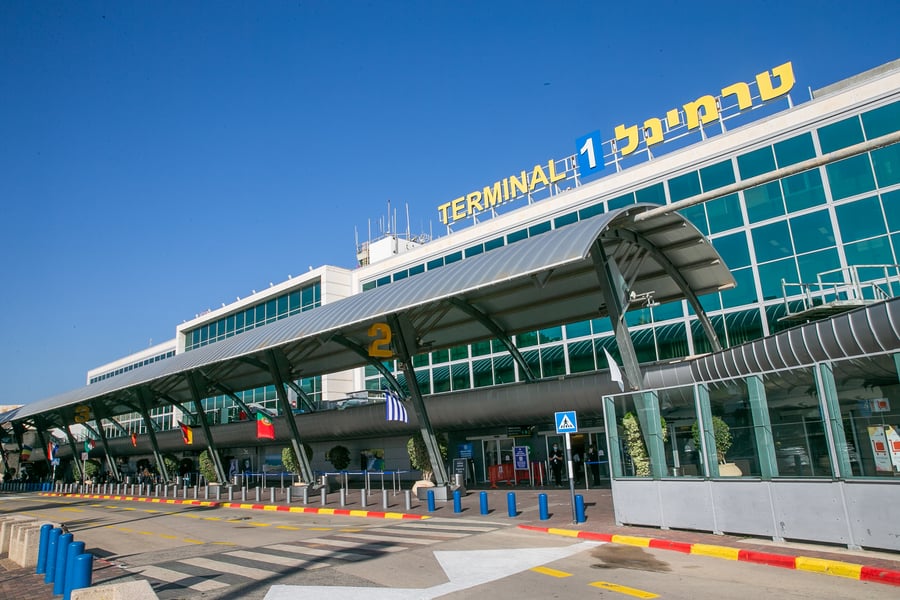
264,427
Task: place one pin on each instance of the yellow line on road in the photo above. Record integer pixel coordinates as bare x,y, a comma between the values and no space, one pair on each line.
550,572
614,587
828,567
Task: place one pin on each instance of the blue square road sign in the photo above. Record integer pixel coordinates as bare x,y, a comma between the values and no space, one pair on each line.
566,422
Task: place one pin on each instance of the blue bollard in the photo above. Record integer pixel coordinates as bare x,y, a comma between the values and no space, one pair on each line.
579,508
511,504
542,504
457,501
59,576
484,503
82,570
52,544
74,549
430,500
42,549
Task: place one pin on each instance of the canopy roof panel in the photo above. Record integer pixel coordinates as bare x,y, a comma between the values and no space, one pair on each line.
532,284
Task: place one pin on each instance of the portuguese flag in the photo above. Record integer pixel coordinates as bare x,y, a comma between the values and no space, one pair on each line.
264,427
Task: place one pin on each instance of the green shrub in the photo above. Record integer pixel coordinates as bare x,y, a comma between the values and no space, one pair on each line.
208,468
289,458
339,456
418,454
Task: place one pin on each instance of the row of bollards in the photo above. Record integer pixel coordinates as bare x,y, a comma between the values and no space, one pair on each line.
63,561
511,509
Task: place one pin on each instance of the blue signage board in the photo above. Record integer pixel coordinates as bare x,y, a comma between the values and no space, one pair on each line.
566,422
520,457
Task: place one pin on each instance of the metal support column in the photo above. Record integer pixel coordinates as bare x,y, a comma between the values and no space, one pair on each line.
278,369
194,381
144,397
76,455
707,438
110,460
646,405
762,428
835,434
405,338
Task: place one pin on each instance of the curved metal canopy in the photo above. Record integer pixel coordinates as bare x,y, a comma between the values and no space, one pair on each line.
532,284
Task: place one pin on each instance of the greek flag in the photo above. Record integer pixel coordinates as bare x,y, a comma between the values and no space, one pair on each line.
395,411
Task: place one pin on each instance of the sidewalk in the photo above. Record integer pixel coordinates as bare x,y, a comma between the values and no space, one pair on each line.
22,584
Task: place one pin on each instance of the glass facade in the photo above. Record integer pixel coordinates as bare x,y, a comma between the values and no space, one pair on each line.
133,366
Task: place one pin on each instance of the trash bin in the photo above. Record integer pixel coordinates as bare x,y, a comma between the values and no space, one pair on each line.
239,481
459,483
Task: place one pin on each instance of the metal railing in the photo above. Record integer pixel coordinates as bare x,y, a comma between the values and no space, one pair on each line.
841,289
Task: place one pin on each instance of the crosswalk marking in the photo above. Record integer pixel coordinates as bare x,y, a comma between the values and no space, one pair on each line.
277,559
318,552
227,567
431,525
435,534
170,576
389,539
349,544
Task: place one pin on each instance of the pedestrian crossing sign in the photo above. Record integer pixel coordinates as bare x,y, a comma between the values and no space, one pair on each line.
566,422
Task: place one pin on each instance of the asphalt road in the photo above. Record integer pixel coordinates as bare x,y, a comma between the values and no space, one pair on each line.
200,552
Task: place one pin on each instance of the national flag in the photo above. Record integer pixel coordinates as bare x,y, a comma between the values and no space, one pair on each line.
52,449
187,433
26,453
614,373
265,429
89,445
134,440
394,409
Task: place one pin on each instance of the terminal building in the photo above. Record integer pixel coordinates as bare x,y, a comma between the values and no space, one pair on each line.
787,416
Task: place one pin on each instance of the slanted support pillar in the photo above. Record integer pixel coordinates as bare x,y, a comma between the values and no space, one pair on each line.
613,287
110,460
762,427
277,367
76,455
143,401
193,380
405,345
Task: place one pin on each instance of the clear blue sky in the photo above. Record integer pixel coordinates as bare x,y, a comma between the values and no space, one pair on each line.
160,158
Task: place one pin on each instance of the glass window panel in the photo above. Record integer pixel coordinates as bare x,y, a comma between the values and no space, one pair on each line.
798,430
803,190
524,340
553,361
603,325
876,251
850,176
734,249
591,211
504,370
271,310
620,202
250,318
294,304
435,264
420,360
671,341
553,334
891,204
743,326
440,356
724,213
645,345
459,352
416,270
460,378
756,162
440,379
812,231
771,274
539,229
474,250
730,402
481,348
564,220
516,236
369,285
669,310
811,265
260,315
579,329
638,316
701,343
684,186
401,275
655,194
581,356
317,294
482,373
307,297
882,121
772,241
797,149
710,302
764,202
678,410
452,258
381,281
494,243
697,216
887,165
423,378
744,292
533,360
717,175
860,219
282,306
840,135
634,459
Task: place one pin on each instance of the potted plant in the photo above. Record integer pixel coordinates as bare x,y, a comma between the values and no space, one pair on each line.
722,437
634,442
421,461
289,458
208,469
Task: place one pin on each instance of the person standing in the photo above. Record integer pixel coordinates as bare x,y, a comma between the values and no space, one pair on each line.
556,464
593,461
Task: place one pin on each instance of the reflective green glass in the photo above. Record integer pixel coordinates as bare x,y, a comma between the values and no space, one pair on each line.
533,360
887,165
416,270
756,162
371,371
684,186
524,340
882,121
794,150
420,360
474,250
590,211
771,241
539,229
840,135
564,220
383,281
638,316
644,345
369,285
771,274
494,243
734,249
553,334
669,310
440,378
711,302
850,176
621,201
803,190
671,341
459,352
294,300
579,329
435,264
553,361
655,194
891,204
764,202
876,251
814,263
282,306
504,370
717,175
724,213
743,326
701,342
452,258
603,325
440,356
482,373
697,217
812,231
744,292
860,219
481,348
581,356
260,316
459,375
516,236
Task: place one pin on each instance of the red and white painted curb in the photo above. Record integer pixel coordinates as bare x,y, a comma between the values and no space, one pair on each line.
800,563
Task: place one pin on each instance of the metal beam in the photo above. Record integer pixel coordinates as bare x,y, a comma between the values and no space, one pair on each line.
374,362
280,370
194,380
145,397
110,461
495,329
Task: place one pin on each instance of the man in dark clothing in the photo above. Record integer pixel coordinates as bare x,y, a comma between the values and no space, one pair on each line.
592,459
556,464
